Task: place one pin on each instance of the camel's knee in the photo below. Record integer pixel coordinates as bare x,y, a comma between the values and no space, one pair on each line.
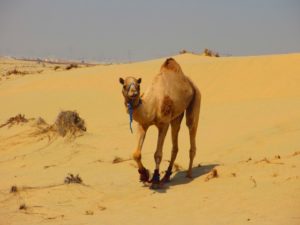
137,156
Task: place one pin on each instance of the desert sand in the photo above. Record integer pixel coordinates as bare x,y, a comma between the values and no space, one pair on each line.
249,134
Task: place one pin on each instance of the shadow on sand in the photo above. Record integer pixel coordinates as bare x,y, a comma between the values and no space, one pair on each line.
180,177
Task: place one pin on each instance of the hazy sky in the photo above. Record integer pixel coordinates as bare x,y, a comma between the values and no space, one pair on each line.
122,30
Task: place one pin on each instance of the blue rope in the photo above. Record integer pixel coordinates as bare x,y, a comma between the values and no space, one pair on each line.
130,110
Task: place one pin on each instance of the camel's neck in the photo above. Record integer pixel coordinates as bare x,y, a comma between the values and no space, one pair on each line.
133,104
139,110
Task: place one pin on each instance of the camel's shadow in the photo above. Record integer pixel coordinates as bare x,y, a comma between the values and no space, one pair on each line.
180,177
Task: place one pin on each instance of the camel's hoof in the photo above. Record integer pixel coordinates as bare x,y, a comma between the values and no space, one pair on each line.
144,175
166,178
156,177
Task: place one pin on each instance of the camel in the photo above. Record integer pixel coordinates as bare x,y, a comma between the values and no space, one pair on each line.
164,103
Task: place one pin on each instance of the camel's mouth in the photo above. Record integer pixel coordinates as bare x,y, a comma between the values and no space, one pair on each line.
134,96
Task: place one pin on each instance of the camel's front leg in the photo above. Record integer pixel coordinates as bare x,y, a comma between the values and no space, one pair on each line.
137,155
162,131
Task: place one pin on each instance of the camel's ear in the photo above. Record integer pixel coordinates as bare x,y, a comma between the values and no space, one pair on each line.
139,80
121,80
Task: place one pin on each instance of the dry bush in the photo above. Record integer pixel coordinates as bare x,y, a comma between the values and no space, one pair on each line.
177,167
15,120
69,122
211,53
56,67
183,51
212,174
296,153
13,189
16,72
73,179
22,207
71,66
117,160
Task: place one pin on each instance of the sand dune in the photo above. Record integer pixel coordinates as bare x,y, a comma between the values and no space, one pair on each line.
249,133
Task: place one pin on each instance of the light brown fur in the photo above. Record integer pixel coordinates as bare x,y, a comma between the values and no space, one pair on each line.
170,95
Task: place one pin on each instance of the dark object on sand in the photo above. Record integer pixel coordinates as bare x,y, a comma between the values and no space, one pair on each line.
69,122
73,179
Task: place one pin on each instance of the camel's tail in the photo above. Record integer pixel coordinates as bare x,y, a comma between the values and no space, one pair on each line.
193,110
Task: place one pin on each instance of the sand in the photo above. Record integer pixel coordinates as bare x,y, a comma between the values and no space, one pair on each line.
249,132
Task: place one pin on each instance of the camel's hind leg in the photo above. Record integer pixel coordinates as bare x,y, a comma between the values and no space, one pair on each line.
192,118
175,125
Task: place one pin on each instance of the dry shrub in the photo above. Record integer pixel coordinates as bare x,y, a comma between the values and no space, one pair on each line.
71,66
211,53
183,51
15,120
56,67
22,207
16,72
89,212
13,189
253,181
212,174
40,122
69,122
73,179
117,160
177,167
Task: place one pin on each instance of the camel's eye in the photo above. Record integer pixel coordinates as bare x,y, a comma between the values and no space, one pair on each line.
124,87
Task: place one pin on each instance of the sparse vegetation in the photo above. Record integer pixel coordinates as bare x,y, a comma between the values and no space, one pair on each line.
89,212
14,120
265,160
23,207
212,174
117,160
253,181
211,53
183,51
177,167
69,122
16,72
13,189
71,66
73,179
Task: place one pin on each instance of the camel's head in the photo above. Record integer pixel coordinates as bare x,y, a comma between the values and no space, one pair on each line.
131,88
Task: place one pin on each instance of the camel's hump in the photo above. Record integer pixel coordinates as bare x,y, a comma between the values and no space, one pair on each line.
170,64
